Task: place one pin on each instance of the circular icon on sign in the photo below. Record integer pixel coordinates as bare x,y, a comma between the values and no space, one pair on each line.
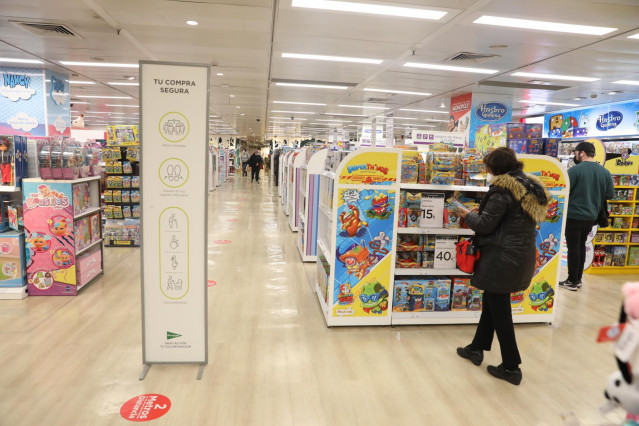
174,127
174,172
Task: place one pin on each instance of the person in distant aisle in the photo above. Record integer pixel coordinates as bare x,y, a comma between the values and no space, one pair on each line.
505,227
590,185
244,158
255,163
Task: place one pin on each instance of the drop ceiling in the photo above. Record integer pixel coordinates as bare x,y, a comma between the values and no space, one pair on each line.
244,41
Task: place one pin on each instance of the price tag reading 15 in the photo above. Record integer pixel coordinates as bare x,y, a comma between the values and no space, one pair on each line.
432,206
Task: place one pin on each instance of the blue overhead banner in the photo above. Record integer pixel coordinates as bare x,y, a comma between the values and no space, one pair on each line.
608,120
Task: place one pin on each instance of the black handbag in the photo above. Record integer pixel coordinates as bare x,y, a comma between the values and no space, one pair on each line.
602,217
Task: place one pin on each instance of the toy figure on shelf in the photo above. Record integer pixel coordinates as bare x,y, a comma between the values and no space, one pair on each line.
351,222
6,162
374,298
345,296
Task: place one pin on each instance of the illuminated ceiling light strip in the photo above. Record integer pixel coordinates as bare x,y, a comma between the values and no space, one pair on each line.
543,25
312,86
293,112
124,106
399,92
103,97
121,83
298,103
346,115
79,102
81,82
404,118
21,61
362,107
336,121
99,64
553,76
373,9
526,101
450,68
434,120
430,111
634,36
630,82
332,58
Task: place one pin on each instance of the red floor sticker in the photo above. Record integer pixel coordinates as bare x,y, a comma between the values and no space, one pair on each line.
222,242
145,407
212,283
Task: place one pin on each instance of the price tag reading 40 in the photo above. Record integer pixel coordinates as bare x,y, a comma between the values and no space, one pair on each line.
432,206
445,257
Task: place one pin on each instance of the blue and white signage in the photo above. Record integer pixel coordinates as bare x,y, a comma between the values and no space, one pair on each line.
617,119
22,103
58,105
491,111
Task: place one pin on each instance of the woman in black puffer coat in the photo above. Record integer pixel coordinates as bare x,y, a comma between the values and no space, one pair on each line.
505,227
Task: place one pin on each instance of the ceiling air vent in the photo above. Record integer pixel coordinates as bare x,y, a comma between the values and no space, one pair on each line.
46,29
378,100
469,57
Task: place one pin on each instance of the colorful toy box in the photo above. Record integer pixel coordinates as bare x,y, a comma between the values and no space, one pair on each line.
460,294
400,297
534,146
516,131
534,130
12,260
442,303
410,242
551,147
518,145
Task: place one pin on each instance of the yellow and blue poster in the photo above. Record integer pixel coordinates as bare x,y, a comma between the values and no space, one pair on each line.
364,242
370,168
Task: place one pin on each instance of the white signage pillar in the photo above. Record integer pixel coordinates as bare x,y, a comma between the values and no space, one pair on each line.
174,105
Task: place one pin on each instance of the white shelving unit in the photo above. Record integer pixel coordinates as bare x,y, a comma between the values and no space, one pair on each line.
293,190
309,204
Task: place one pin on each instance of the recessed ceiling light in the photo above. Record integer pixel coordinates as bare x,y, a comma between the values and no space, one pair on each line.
231,96
332,58
634,36
81,82
431,111
399,92
613,92
122,83
553,76
129,77
242,114
312,86
363,107
99,64
543,25
117,113
374,9
450,68
21,61
336,121
298,103
526,101
79,102
294,112
578,98
238,106
104,97
219,74
629,82
347,115
125,106
404,118
192,23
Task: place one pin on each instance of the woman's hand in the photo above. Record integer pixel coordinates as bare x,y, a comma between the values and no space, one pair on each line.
462,212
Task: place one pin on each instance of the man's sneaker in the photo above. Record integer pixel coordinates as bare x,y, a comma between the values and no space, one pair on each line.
569,285
475,356
511,376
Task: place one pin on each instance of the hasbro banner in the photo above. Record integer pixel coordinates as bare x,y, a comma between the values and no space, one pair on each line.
488,109
617,119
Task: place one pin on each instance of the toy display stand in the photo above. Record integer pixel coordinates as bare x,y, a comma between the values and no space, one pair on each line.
63,230
309,205
12,266
213,165
287,177
282,187
357,244
293,182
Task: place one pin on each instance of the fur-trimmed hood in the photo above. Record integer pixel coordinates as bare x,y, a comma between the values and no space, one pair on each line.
528,190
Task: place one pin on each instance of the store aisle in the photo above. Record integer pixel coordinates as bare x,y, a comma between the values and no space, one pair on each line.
272,361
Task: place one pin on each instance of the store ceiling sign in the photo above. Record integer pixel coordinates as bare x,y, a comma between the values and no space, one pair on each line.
491,111
608,120
421,137
174,135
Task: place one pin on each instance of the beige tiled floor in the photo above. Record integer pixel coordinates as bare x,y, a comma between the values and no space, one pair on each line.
75,361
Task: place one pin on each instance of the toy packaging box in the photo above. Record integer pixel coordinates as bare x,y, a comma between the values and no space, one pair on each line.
460,294
400,299
516,131
409,242
81,198
442,303
534,146
410,168
408,259
551,147
475,299
534,130
12,259
82,232
48,219
95,227
518,145
430,295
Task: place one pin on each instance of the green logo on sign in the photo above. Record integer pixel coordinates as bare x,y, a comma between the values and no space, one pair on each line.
170,335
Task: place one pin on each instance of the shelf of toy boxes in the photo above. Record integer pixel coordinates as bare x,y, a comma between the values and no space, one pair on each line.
615,249
121,196
361,265
13,283
293,182
62,220
309,203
